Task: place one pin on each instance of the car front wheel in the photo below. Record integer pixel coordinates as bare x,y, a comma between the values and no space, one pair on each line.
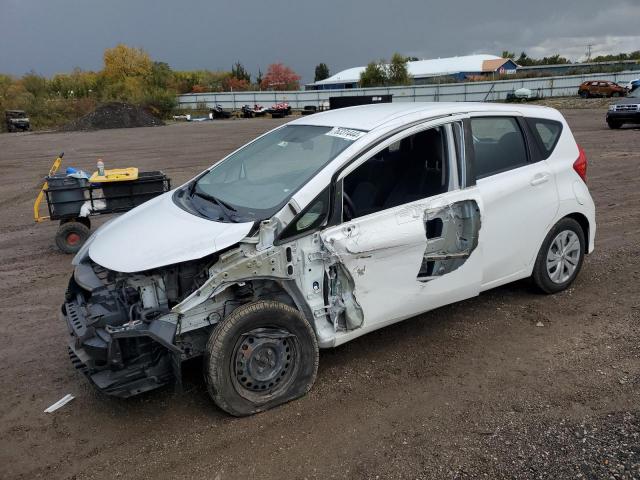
560,257
263,354
614,125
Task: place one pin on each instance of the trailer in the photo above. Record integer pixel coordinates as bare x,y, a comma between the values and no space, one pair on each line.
72,200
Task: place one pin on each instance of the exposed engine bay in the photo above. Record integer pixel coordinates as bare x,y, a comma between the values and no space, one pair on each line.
130,332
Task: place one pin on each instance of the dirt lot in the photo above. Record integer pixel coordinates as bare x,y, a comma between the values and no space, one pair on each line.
473,390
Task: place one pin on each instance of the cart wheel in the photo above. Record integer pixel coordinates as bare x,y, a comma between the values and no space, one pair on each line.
71,236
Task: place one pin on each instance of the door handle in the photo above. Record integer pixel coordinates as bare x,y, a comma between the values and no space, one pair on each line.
540,178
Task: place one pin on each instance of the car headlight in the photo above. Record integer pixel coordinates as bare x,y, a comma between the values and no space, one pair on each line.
612,108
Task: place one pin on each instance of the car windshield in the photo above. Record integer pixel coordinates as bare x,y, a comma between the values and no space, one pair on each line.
257,180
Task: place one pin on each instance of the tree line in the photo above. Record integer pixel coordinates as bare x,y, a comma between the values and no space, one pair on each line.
130,75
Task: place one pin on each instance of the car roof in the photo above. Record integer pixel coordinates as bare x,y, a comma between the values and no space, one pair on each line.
370,117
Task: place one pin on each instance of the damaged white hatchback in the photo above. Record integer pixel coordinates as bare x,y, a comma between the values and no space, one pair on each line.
320,231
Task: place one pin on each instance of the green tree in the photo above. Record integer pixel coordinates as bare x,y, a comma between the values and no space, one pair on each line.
238,71
161,75
508,54
35,84
397,72
322,72
374,75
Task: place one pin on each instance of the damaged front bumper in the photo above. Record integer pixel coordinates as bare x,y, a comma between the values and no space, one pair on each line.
121,359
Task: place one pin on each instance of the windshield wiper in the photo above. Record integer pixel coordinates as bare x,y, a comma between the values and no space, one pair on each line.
226,209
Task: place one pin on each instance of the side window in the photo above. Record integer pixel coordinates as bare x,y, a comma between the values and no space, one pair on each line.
498,144
416,167
310,218
546,134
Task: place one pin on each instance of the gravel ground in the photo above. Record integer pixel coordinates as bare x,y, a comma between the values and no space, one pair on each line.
473,390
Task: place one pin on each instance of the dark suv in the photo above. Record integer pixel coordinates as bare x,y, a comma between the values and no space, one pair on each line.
625,110
601,88
16,120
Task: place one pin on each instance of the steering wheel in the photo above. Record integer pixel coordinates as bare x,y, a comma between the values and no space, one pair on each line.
348,209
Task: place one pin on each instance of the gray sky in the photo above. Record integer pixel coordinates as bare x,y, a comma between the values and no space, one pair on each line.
51,36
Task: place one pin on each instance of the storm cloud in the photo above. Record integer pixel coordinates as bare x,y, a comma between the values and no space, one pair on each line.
56,36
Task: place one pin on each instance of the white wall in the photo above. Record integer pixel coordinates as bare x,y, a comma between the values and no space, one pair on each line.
450,92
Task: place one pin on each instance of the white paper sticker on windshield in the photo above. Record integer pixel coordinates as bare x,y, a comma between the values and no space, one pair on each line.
345,133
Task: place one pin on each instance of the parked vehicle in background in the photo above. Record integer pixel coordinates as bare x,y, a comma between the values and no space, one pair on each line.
633,85
218,112
280,110
320,231
625,110
17,120
601,88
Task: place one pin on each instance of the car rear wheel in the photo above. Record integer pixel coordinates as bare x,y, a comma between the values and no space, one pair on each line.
262,355
560,258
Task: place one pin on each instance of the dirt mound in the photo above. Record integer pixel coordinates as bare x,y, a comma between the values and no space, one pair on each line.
114,115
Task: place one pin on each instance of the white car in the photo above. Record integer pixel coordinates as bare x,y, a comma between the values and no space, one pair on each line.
322,230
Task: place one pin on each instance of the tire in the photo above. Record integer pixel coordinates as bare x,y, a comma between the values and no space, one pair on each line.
584,94
545,276
70,236
614,125
615,94
262,355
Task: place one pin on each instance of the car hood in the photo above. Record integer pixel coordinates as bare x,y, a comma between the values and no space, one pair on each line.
628,101
159,233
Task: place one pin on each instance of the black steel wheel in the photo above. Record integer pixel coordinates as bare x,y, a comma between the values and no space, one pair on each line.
262,355
70,236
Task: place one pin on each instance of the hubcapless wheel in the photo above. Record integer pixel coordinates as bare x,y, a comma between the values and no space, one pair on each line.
266,359
263,354
71,235
560,257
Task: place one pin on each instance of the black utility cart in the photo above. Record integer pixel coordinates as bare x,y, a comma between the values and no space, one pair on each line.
73,199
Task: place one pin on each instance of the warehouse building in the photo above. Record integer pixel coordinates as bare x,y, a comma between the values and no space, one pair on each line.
424,71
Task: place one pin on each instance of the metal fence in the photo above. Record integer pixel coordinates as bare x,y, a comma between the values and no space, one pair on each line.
447,92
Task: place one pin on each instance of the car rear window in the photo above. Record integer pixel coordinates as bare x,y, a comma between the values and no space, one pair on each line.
546,133
498,144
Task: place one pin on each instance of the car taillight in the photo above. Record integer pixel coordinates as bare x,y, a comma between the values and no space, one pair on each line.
580,165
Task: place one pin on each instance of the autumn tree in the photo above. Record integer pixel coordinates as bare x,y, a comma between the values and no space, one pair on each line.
280,77
233,84
322,72
123,61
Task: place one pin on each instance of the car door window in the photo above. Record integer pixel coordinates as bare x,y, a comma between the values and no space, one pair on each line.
413,168
499,145
311,218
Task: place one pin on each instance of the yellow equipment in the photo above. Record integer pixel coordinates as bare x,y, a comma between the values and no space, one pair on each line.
36,206
115,175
